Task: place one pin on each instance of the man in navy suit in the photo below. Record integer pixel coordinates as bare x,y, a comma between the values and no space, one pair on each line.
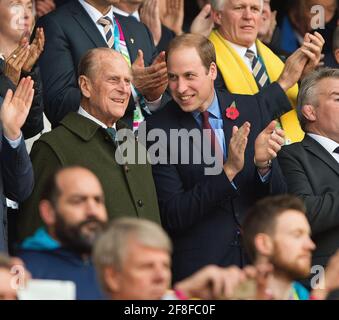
16,175
72,30
203,213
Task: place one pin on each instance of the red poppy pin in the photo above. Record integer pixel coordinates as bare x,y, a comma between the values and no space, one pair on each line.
232,111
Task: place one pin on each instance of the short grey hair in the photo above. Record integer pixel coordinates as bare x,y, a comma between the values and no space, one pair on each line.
220,4
308,91
111,247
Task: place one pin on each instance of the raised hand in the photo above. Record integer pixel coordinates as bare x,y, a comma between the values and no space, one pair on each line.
36,47
173,15
150,16
236,151
312,47
150,81
203,22
15,62
15,108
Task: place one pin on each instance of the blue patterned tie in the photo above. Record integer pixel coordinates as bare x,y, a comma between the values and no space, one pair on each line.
112,133
258,69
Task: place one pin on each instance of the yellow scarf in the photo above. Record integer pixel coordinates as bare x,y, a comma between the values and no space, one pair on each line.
239,79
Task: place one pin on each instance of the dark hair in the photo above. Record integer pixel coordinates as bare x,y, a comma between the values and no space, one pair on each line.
51,191
262,218
203,46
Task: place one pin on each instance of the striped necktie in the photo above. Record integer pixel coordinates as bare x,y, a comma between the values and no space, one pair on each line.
107,23
258,69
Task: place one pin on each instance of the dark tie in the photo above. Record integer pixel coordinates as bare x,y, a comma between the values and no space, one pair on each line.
112,133
258,69
336,150
107,23
211,135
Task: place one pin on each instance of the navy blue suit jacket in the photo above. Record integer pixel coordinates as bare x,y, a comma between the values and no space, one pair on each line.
203,214
16,180
70,33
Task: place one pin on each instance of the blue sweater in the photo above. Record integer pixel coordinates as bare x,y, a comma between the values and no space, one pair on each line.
53,262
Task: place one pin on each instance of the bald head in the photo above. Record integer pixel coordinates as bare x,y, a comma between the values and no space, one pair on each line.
91,62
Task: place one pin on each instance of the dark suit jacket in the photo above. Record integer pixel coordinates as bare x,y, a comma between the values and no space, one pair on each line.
70,33
203,214
16,180
313,174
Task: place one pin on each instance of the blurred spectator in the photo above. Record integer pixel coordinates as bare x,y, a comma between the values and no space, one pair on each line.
18,58
72,207
276,231
88,138
16,175
43,7
331,59
132,259
246,65
150,15
13,276
298,21
78,26
311,167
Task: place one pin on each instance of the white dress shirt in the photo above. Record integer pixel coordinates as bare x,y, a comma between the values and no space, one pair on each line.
326,143
135,14
85,114
242,51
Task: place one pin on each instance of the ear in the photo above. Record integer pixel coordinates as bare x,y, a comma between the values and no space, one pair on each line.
85,86
263,244
309,112
216,16
336,55
112,280
47,213
213,71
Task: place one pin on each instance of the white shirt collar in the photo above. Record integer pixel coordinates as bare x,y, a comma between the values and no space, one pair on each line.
85,114
242,50
93,12
135,14
329,144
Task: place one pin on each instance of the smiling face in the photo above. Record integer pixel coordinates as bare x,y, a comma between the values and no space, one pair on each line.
239,21
191,84
107,90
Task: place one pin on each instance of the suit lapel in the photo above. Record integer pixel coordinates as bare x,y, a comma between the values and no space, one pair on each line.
320,152
89,27
225,100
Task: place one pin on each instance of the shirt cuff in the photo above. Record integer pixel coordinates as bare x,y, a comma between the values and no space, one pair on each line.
153,105
14,143
266,177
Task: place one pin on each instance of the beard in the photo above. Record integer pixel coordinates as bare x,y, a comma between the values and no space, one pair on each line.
293,269
78,238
